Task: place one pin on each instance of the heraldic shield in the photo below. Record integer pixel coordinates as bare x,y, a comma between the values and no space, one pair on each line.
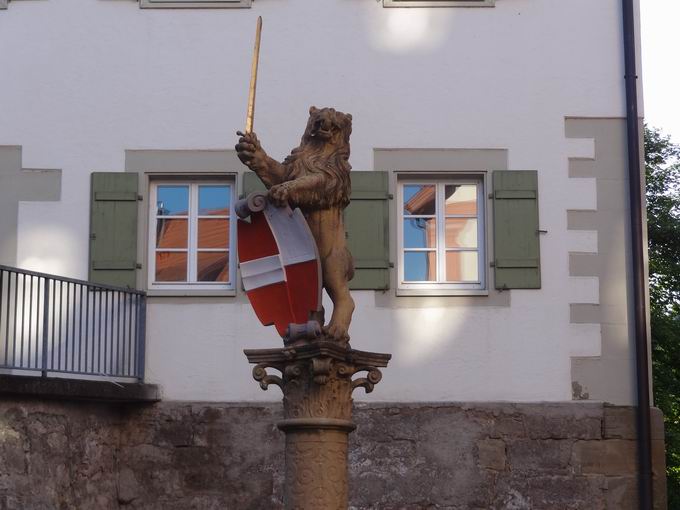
280,267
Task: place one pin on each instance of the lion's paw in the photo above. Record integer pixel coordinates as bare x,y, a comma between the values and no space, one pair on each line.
337,333
279,194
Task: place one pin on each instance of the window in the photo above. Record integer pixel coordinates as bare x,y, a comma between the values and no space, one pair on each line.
190,235
438,3
194,3
441,233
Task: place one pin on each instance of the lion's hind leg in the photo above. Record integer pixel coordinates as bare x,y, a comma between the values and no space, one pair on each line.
336,268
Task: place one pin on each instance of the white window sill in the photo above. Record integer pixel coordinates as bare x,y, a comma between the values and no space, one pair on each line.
438,3
194,4
442,292
191,293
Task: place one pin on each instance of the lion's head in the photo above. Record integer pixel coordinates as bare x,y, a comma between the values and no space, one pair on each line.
324,148
328,126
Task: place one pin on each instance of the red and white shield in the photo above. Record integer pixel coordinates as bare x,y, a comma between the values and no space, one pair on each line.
279,263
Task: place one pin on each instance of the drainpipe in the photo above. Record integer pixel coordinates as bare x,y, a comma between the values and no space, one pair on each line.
644,439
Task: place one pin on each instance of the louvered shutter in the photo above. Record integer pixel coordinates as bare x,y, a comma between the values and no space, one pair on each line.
113,228
517,263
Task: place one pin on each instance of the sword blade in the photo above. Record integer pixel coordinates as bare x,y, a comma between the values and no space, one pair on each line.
253,77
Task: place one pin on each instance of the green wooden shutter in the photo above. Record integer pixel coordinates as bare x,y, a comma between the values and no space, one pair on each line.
251,182
517,262
367,224
113,229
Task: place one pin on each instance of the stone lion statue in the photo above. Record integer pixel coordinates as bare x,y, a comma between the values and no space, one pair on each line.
315,178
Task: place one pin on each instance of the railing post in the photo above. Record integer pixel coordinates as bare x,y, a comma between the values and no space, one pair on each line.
141,338
46,316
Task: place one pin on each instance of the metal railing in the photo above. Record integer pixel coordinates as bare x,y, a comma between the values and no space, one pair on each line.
62,325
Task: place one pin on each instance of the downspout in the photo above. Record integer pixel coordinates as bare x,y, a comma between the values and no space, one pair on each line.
644,439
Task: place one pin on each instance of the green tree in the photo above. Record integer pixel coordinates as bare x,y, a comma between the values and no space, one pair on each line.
662,161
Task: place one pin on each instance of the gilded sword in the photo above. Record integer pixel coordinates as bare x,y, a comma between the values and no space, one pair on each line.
253,77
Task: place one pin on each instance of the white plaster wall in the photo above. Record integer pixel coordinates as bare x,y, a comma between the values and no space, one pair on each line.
84,80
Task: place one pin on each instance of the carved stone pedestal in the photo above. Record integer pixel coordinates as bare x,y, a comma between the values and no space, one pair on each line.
317,384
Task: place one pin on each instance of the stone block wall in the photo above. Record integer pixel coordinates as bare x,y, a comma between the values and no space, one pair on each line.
63,455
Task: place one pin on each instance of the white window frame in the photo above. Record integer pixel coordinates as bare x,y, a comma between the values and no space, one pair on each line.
442,180
194,4
439,3
192,247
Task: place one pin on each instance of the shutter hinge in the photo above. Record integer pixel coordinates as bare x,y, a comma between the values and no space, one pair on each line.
138,265
93,236
391,264
491,196
539,231
140,198
492,263
390,196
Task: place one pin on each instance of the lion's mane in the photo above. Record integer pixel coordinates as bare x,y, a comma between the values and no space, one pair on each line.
326,156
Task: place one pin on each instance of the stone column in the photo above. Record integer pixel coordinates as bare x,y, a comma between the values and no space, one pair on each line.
316,380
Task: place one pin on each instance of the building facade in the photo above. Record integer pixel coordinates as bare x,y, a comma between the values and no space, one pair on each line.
489,216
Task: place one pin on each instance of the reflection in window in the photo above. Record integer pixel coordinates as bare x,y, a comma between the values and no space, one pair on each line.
172,233
420,266
192,243
213,267
441,232
461,199
214,200
172,200
420,233
419,199
461,266
213,233
171,266
461,233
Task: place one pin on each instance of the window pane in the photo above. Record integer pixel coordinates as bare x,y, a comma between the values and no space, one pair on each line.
461,266
214,200
420,233
461,233
171,233
419,198
213,266
420,266
172,200
213,233
461,198
171,266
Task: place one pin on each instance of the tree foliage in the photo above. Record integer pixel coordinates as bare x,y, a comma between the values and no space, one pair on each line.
662,161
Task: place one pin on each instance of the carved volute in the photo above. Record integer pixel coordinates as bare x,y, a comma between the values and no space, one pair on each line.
317,380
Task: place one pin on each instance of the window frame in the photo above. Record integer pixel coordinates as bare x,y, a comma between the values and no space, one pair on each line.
192,249
195,4
442,179
439,3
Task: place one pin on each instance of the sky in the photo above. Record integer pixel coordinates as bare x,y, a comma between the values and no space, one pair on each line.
660,33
